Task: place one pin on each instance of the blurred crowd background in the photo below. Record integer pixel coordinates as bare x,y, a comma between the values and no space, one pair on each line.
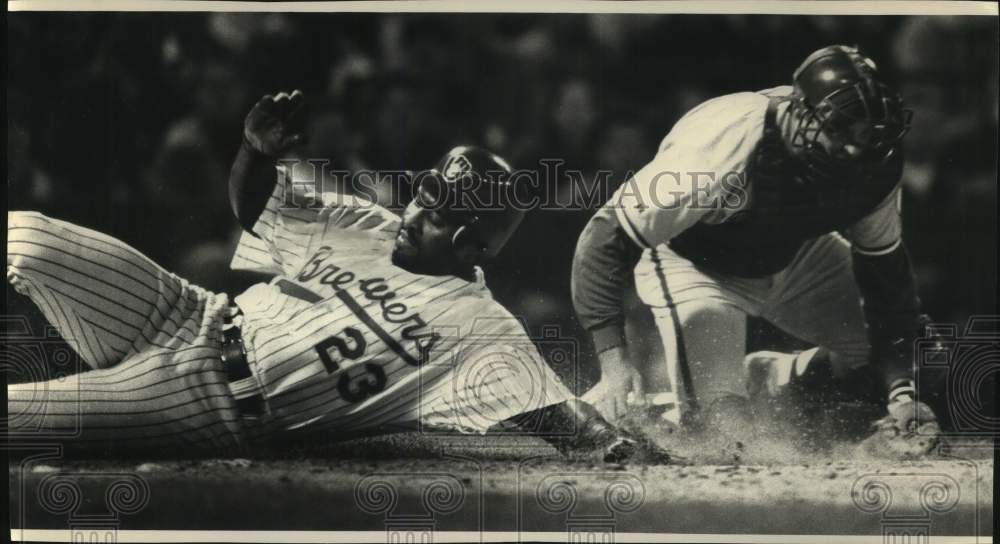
127,123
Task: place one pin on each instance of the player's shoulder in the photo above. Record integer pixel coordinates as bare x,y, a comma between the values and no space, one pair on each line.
734,105
733,115
359,214
719,133
355,202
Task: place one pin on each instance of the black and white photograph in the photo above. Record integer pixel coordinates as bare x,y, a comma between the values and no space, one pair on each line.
585,272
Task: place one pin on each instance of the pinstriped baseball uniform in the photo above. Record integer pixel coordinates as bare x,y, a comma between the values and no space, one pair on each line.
342,340
152,338
698,176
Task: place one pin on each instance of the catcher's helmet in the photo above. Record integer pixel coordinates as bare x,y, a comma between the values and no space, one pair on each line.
475,188
840,96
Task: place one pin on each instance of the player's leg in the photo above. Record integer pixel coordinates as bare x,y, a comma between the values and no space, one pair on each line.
107,299
156,401
701,319
817,300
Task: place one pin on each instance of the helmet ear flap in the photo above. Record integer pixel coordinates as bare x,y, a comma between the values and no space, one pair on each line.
467,245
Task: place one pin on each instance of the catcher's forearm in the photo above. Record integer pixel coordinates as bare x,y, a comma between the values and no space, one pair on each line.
602,270
251,182
892,310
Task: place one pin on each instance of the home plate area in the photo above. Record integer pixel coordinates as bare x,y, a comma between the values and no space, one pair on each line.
409,486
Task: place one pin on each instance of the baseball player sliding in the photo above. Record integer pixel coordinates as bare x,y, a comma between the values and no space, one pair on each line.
782,204
372,323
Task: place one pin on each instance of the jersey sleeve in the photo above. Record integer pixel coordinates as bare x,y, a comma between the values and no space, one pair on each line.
880,232
603,264
698,171
497,373
298,219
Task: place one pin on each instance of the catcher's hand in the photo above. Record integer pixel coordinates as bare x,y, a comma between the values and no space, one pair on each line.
619,378
909,430
274,123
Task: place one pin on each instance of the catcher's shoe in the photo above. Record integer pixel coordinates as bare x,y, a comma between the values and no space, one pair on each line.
909,430
767,372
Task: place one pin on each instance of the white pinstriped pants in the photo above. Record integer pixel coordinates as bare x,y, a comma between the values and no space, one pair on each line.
152,339
701,315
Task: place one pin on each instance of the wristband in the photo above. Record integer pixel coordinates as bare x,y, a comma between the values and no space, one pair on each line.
900,388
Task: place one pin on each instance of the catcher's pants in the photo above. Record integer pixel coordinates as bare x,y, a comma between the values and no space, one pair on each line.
701,315
152,339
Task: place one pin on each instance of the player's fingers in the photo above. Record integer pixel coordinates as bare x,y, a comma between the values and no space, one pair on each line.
621,405
264,102
281,103
604,408
639,388
610,405
296,108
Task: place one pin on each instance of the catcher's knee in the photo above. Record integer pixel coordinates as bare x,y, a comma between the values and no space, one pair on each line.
709,315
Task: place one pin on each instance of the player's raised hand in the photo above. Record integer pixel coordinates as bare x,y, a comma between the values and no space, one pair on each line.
274,124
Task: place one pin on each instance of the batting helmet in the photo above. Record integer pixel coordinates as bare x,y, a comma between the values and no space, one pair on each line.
840,96
476,189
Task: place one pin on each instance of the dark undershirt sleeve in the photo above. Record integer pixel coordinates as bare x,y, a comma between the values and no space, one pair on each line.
602,270
885,278
892,309
251,182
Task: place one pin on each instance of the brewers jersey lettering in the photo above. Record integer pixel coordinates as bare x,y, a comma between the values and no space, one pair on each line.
341,341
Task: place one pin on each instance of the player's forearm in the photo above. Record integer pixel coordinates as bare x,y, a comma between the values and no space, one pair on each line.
892,310
602,270
251,182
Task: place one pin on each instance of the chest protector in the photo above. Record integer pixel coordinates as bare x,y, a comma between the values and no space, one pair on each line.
785,209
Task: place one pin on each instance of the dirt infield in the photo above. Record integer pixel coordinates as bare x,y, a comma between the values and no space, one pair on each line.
409,485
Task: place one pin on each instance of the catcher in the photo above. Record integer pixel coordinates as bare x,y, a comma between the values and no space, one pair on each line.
373,323
782,204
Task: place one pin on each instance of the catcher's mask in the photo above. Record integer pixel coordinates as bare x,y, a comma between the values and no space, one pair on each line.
842,114
475,189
